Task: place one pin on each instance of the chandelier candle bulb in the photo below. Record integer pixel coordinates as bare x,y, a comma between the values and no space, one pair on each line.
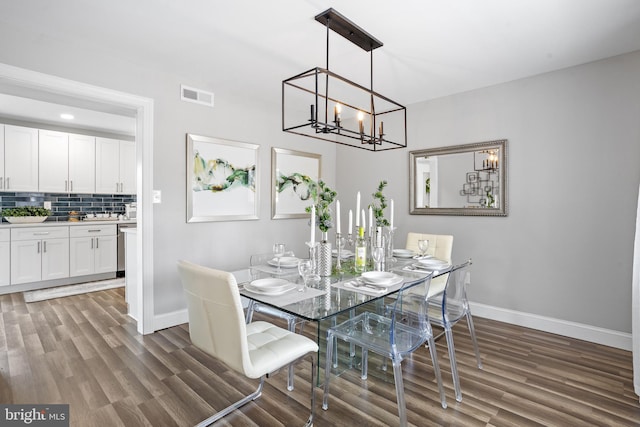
361,121
313,113
381,130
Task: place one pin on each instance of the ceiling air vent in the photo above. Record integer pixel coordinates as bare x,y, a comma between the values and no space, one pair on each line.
198,96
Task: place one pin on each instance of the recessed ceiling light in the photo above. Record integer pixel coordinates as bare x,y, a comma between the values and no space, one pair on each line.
66,116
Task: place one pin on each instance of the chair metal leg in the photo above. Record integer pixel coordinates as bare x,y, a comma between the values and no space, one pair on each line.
397,375
250,307
452,361
436,371
472,332
327,370
256,394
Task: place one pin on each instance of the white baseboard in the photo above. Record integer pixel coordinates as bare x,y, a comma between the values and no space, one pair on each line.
167,320
579,331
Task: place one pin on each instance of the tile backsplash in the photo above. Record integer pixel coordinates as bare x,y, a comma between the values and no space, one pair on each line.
63,203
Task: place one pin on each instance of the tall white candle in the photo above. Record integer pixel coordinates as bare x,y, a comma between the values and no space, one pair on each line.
364,224
358,210
371,217
350,221
338,216
313,224
391,214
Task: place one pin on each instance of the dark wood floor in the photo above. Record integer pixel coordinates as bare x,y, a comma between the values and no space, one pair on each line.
83,350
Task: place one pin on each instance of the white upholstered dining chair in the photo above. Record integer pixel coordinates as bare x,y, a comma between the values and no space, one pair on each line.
440,246
257,261
217,327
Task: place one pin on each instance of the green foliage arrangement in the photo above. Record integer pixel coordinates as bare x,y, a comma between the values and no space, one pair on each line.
26,211
379,204
322,197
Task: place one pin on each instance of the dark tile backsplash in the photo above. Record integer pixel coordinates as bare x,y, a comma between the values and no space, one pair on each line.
63,203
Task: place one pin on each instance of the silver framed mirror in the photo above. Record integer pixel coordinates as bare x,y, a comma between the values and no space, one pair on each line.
469,179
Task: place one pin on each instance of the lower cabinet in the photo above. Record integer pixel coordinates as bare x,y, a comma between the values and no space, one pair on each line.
40,253
5,257
92,250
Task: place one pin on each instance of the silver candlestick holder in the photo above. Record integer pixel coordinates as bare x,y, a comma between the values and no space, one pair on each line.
313,249
340,242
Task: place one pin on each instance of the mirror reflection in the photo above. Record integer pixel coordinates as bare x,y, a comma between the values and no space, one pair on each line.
460,180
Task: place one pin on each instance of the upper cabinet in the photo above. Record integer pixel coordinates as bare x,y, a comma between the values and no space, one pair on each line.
20,159
67,162
115,166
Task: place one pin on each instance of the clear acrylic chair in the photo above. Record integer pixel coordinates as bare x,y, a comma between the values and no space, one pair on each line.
448,308
217,327
253,307
394,336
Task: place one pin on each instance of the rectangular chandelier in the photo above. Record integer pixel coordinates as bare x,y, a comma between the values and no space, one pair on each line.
324,105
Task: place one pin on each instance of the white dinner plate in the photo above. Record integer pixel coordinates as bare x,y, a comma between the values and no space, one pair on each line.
285,262
270,286
379,278
403,253
433,263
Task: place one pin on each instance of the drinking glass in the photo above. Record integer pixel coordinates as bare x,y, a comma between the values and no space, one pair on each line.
423,245
305,269
278,251
378,257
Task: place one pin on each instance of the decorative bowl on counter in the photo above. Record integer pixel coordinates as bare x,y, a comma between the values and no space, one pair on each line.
25,219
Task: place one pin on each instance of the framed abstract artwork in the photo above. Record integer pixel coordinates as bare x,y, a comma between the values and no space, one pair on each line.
293,173
222,182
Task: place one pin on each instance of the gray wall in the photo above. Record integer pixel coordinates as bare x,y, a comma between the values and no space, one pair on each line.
565,250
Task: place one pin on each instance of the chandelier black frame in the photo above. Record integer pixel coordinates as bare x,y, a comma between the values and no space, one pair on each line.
307,101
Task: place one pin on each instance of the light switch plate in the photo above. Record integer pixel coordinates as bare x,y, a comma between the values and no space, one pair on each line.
157,196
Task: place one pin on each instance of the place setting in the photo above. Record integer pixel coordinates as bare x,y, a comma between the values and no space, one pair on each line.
372,282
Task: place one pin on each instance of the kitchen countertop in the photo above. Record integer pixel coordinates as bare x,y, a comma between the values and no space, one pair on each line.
66,223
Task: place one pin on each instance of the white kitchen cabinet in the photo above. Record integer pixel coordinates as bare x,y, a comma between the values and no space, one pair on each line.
92,250
5,257
115,166
53,162
20,159
1,157
39,253
82,164
67,162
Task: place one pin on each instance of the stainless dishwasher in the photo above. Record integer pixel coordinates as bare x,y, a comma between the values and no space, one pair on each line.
120,272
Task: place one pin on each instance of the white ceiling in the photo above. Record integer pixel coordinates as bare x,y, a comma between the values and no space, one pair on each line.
432,48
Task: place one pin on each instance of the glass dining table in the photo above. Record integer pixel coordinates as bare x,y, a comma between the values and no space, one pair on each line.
331,299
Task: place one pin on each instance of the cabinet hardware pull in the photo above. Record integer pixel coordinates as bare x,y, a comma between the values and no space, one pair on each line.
65,185
97,240
38,250
92,243
93,231
8,178
1,179
40,233
44,247
71,185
